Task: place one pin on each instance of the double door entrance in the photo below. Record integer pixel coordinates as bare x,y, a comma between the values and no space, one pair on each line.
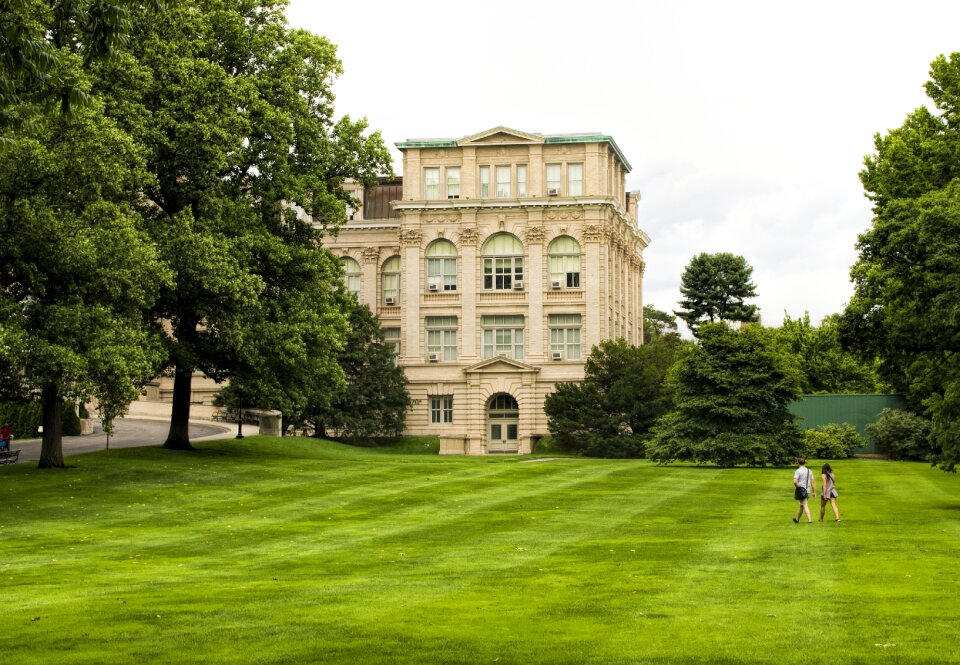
503,425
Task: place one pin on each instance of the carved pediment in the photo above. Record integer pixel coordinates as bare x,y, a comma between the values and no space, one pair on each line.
500,364
500,136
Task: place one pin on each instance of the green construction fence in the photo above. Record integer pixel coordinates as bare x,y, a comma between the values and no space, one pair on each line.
858,410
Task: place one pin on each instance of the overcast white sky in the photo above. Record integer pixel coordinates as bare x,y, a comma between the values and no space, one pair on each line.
745,122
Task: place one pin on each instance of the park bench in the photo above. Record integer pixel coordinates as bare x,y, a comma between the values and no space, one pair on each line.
9,456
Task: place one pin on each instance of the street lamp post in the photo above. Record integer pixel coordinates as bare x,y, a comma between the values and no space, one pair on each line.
240,416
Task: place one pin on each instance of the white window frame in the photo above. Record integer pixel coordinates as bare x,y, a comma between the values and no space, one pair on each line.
442,268
575,179
441,409
503,175
351,278
521,181
565,335
553,177
442,336
452,181
431,183
564,265
500,271
503,335
390,280
484,182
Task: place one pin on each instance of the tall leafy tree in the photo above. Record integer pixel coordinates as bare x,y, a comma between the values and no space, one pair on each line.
825,366
731,396
610,413
906,304
38,42
78,274
715,287
236,113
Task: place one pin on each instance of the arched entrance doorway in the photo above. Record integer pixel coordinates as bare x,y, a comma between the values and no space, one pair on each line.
503,424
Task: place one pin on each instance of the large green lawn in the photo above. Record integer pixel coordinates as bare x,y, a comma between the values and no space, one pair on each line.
297,551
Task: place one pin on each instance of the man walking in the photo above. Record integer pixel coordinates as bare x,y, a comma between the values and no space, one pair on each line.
803,488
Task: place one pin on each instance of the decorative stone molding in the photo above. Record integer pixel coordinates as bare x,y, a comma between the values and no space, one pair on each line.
594,233
371,255
439,219
564,214
469,236
411,238
535,234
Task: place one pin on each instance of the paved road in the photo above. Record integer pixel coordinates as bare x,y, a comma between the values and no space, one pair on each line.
127,433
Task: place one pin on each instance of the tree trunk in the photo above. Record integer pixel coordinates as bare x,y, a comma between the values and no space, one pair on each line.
51,450
179,436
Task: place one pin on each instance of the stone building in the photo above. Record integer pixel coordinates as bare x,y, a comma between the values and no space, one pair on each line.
494,266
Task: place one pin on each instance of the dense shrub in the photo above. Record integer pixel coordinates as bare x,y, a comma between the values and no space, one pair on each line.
902,435
832,441
25,418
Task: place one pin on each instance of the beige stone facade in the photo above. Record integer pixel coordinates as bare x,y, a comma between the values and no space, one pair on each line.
504,258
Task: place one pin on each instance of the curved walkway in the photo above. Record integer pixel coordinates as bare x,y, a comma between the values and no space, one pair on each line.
128,433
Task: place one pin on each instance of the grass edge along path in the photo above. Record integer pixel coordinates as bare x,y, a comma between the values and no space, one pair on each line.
303,551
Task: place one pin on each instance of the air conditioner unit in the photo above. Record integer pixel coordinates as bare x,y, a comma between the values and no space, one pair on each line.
556,284
389,301
553,192
453,196
433,286
518,285
557,355
433,357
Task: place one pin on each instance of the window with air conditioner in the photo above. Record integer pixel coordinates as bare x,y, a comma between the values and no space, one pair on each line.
564,257
556,355
442,266
565,336
452,174
441,338
552,180
390,280
503,182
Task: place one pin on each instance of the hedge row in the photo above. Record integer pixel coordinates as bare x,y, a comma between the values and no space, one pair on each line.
25,418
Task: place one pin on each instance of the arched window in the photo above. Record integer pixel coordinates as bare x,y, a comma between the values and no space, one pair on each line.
564,263
390,281
351,275
442,266
502,262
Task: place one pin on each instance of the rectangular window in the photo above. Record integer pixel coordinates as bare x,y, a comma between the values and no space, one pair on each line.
553,179
503,335
442,336
391,339
453,182
431,183
521,180
441,409
574,179
484,182
565,335
503,182
499,274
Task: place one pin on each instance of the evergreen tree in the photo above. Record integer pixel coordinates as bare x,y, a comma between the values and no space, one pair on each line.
731,394
715,288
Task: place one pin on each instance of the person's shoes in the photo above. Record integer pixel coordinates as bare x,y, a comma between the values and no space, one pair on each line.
809,521
837,520
796,521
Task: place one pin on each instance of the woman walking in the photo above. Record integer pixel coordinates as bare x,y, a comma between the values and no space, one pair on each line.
803,488
828,492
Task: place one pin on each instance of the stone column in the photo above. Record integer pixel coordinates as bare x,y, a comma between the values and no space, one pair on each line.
470,285
411,281
369,271
596,306
535,288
